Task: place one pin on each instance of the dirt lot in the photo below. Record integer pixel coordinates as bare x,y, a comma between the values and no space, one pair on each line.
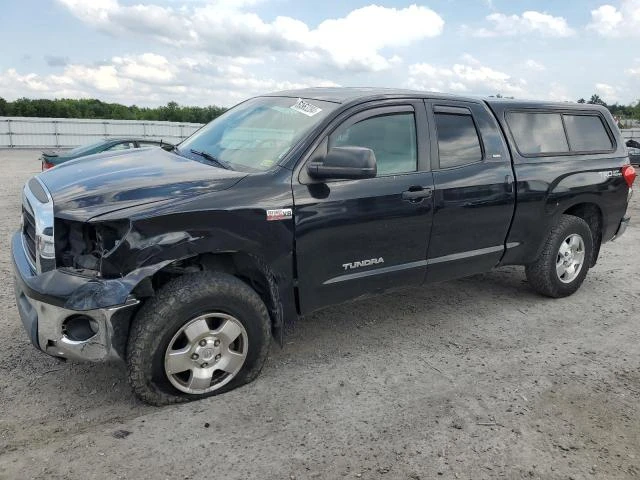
477,378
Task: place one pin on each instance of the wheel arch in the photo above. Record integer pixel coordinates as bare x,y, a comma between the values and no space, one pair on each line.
592,214
249,268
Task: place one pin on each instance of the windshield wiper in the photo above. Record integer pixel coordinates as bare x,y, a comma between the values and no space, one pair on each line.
211,158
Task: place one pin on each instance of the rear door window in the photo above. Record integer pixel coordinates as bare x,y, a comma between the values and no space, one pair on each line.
587,133
536,133
458,141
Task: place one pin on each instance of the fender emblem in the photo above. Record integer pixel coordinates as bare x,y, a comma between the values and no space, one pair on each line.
362,263
279,214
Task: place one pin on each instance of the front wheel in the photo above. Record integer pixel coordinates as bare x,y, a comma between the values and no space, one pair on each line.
564,262
202,334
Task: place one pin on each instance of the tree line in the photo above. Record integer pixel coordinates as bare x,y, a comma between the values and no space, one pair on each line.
172,112
631,111
93,108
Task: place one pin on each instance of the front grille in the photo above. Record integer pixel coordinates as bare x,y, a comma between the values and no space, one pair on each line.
29,234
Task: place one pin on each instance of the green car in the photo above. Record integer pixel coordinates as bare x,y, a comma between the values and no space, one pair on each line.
51,159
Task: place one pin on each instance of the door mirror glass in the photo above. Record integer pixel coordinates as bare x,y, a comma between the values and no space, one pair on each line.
344,163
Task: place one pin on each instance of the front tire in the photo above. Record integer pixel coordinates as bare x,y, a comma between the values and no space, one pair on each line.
200,335
564,262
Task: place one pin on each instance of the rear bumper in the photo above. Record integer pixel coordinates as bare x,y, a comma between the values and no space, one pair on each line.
44,314
624,223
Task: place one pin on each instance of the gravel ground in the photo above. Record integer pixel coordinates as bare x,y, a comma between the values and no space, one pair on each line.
475,378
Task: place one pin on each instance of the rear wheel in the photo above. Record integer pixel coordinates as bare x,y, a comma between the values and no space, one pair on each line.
564,262
201,335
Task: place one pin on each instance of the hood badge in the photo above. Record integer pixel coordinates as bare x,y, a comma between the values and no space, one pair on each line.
279,214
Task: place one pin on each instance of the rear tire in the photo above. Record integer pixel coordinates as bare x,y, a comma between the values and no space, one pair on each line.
564,262
199,324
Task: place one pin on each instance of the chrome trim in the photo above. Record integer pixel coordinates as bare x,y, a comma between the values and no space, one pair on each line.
420,263
377,271
53,341
26,251
43,217
470,253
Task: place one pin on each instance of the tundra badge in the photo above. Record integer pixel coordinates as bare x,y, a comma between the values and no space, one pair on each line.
362,263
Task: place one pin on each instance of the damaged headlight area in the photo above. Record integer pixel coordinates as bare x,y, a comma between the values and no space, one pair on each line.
86,247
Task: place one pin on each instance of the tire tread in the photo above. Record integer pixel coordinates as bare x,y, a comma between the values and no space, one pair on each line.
147,328
541,274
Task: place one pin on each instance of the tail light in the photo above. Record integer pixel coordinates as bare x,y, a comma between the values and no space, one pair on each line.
629,174
47,165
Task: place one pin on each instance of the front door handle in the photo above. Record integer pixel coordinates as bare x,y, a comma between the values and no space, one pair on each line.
416,194
508,184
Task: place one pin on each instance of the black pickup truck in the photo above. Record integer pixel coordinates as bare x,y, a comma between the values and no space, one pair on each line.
185,263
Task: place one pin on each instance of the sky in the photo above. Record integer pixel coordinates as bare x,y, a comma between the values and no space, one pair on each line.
219,52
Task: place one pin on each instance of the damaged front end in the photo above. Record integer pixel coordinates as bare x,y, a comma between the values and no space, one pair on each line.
85,248
73,302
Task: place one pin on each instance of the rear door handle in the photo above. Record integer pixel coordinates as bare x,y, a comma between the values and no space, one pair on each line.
417,194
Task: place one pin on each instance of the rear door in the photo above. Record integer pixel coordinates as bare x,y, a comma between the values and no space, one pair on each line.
474,194
357,237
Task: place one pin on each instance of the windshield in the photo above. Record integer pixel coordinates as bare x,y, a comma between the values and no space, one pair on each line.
84,148
256,134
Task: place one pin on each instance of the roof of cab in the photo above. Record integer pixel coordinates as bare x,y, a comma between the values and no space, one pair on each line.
349,94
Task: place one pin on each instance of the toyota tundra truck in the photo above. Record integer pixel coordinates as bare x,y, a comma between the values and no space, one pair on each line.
185,264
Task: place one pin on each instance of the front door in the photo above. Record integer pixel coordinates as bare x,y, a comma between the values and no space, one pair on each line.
355,237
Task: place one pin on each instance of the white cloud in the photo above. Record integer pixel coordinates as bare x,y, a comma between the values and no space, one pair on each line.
558,93
353,42
529,22
104,78
608,93
534,66
609,21
472,78
359,37
148,67
150,79
470,59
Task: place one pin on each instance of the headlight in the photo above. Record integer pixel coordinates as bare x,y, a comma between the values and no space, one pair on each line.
45,244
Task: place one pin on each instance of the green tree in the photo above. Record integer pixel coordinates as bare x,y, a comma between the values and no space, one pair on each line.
94,108
596,100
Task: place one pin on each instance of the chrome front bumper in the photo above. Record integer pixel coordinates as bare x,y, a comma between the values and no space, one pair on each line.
45,325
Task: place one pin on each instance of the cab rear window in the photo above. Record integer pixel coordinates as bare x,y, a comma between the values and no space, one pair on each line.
540,133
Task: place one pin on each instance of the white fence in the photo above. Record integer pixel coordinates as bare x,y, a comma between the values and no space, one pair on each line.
24,132
628,133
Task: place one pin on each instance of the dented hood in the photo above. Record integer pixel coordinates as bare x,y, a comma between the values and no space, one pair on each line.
95,185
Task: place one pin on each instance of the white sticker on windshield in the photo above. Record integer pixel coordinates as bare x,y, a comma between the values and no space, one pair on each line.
306,108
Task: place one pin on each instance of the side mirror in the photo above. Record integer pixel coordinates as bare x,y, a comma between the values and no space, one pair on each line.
344,163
